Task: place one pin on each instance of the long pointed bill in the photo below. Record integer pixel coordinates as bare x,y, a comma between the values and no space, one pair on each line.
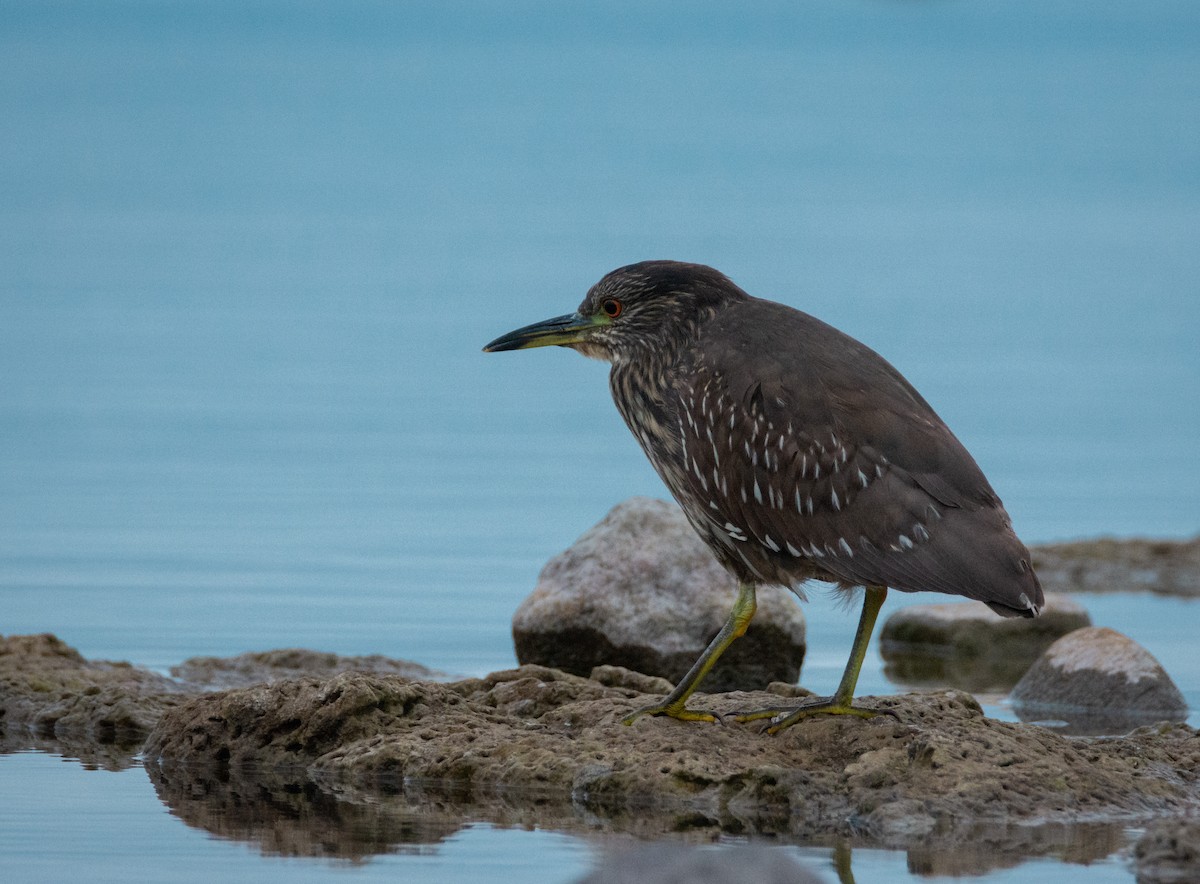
561,330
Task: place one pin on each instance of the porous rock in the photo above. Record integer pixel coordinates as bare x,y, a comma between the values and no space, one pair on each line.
968,645
219,673
48,690
1169,567
926,776
642,591
1101,682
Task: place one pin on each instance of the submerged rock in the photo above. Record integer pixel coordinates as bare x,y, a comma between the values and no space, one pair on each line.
642,591
1170,567
1100,681
967,645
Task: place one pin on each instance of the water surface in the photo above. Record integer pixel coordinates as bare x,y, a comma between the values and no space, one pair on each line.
250,252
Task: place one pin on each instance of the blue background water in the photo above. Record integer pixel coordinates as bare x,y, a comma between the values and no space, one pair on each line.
250,251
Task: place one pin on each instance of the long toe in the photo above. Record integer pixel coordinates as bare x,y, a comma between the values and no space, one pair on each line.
679,713
786,718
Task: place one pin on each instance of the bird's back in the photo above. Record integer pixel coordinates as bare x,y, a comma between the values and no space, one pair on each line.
803,453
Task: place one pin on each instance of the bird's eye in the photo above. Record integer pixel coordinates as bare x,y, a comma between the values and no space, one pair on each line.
612,307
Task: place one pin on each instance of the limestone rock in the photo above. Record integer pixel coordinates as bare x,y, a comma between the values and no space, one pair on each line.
220,673
968,645
1170,567
642,591
934,776
1100,681
48,690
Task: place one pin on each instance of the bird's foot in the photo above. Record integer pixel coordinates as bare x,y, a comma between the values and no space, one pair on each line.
672,710
784,718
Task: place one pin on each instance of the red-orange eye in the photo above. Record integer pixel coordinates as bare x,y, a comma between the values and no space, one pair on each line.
611,307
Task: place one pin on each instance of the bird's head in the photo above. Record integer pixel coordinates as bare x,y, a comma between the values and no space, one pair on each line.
650,307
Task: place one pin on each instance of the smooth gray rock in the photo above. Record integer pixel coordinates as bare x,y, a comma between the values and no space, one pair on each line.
665,863
967,645
642,591
1099,681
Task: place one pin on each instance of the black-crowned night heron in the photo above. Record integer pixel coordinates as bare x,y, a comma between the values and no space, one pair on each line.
796,452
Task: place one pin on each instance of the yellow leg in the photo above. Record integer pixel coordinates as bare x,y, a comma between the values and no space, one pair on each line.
841,702
735,627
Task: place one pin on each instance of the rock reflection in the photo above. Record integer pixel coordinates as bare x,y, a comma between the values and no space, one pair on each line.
924,670
1078,723
999,846
90,754
285,814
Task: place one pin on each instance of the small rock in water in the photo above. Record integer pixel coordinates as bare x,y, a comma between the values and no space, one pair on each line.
678,864
641,590
968,645
1100,681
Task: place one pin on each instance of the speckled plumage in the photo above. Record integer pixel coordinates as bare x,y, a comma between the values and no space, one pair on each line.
798,452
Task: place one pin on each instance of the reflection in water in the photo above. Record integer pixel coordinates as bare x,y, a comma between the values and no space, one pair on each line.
968,673
1082,723
1000,846
89,753
283,813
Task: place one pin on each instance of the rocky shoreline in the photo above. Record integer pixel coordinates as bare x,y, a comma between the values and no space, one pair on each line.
385,740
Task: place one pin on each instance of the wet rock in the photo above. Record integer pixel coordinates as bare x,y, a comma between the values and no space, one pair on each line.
642,591
1169,852
220,673
1170,567
48,690
927,775
620,677
1099,681
677,864
969,646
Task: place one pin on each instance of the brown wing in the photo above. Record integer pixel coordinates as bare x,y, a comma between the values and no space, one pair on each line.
803,446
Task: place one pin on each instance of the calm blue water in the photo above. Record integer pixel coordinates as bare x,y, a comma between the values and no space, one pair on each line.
250,251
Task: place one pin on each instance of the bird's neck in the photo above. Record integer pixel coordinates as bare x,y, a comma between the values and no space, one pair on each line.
643,391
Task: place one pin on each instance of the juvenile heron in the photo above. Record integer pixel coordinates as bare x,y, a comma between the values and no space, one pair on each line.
796,452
